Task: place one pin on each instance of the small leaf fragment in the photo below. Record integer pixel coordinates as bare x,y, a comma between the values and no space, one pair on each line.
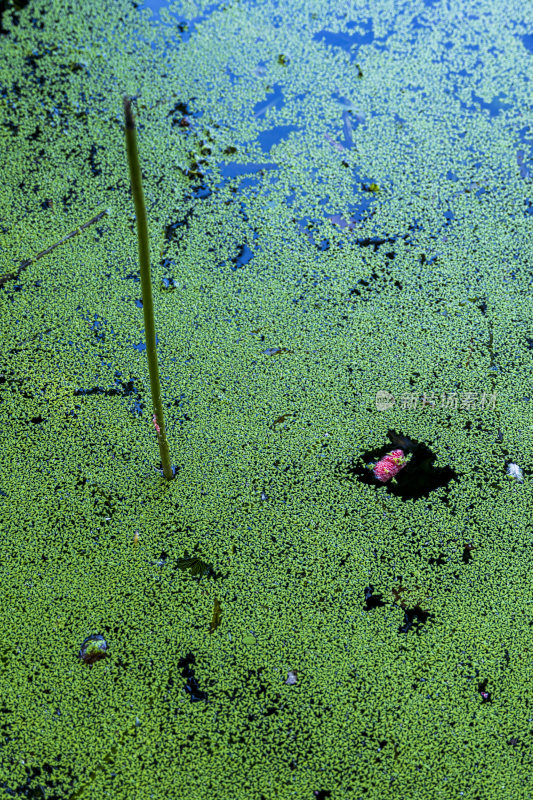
217,616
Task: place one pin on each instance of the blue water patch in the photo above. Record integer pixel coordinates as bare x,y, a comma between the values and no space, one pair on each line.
154,5
244,256
254,174
184,27
201,192
494,106
248,183
234,170
141,347
527,41
267,139
355,211
348,41
136,408
273,100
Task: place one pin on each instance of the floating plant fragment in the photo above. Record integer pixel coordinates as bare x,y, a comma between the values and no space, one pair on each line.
410,464
8,276
93,649
482,689
217,616
389,466
281,419
196,566
276,351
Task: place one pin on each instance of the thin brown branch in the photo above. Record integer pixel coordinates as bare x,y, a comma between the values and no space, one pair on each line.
8,276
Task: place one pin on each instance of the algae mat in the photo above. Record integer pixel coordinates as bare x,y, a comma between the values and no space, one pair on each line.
340,211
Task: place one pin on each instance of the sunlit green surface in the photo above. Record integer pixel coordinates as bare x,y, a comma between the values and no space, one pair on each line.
269,375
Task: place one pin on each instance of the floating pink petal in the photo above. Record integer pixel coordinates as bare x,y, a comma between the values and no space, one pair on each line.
390,465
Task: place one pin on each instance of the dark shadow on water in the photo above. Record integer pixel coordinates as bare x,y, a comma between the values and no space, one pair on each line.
372,600
191,687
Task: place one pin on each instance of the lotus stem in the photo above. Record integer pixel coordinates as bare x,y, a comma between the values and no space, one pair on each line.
146,287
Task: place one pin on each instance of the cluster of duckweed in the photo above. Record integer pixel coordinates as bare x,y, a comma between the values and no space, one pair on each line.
403,618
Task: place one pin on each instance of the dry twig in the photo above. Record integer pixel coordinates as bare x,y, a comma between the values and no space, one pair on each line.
8,276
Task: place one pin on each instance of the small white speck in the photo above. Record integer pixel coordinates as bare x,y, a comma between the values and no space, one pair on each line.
291,678
514,471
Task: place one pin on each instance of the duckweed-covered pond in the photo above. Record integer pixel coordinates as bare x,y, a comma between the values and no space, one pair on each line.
333,598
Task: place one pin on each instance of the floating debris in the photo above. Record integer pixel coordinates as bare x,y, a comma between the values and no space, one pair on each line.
333,143
282,419
8,276
217,616
276,351
196,566
93,649
419,477
347,129
390,465
514,471
292,678
482,689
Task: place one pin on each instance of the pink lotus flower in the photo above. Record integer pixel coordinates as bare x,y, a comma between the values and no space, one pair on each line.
390,465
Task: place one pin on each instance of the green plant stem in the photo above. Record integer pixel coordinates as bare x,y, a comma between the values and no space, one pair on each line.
146,286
